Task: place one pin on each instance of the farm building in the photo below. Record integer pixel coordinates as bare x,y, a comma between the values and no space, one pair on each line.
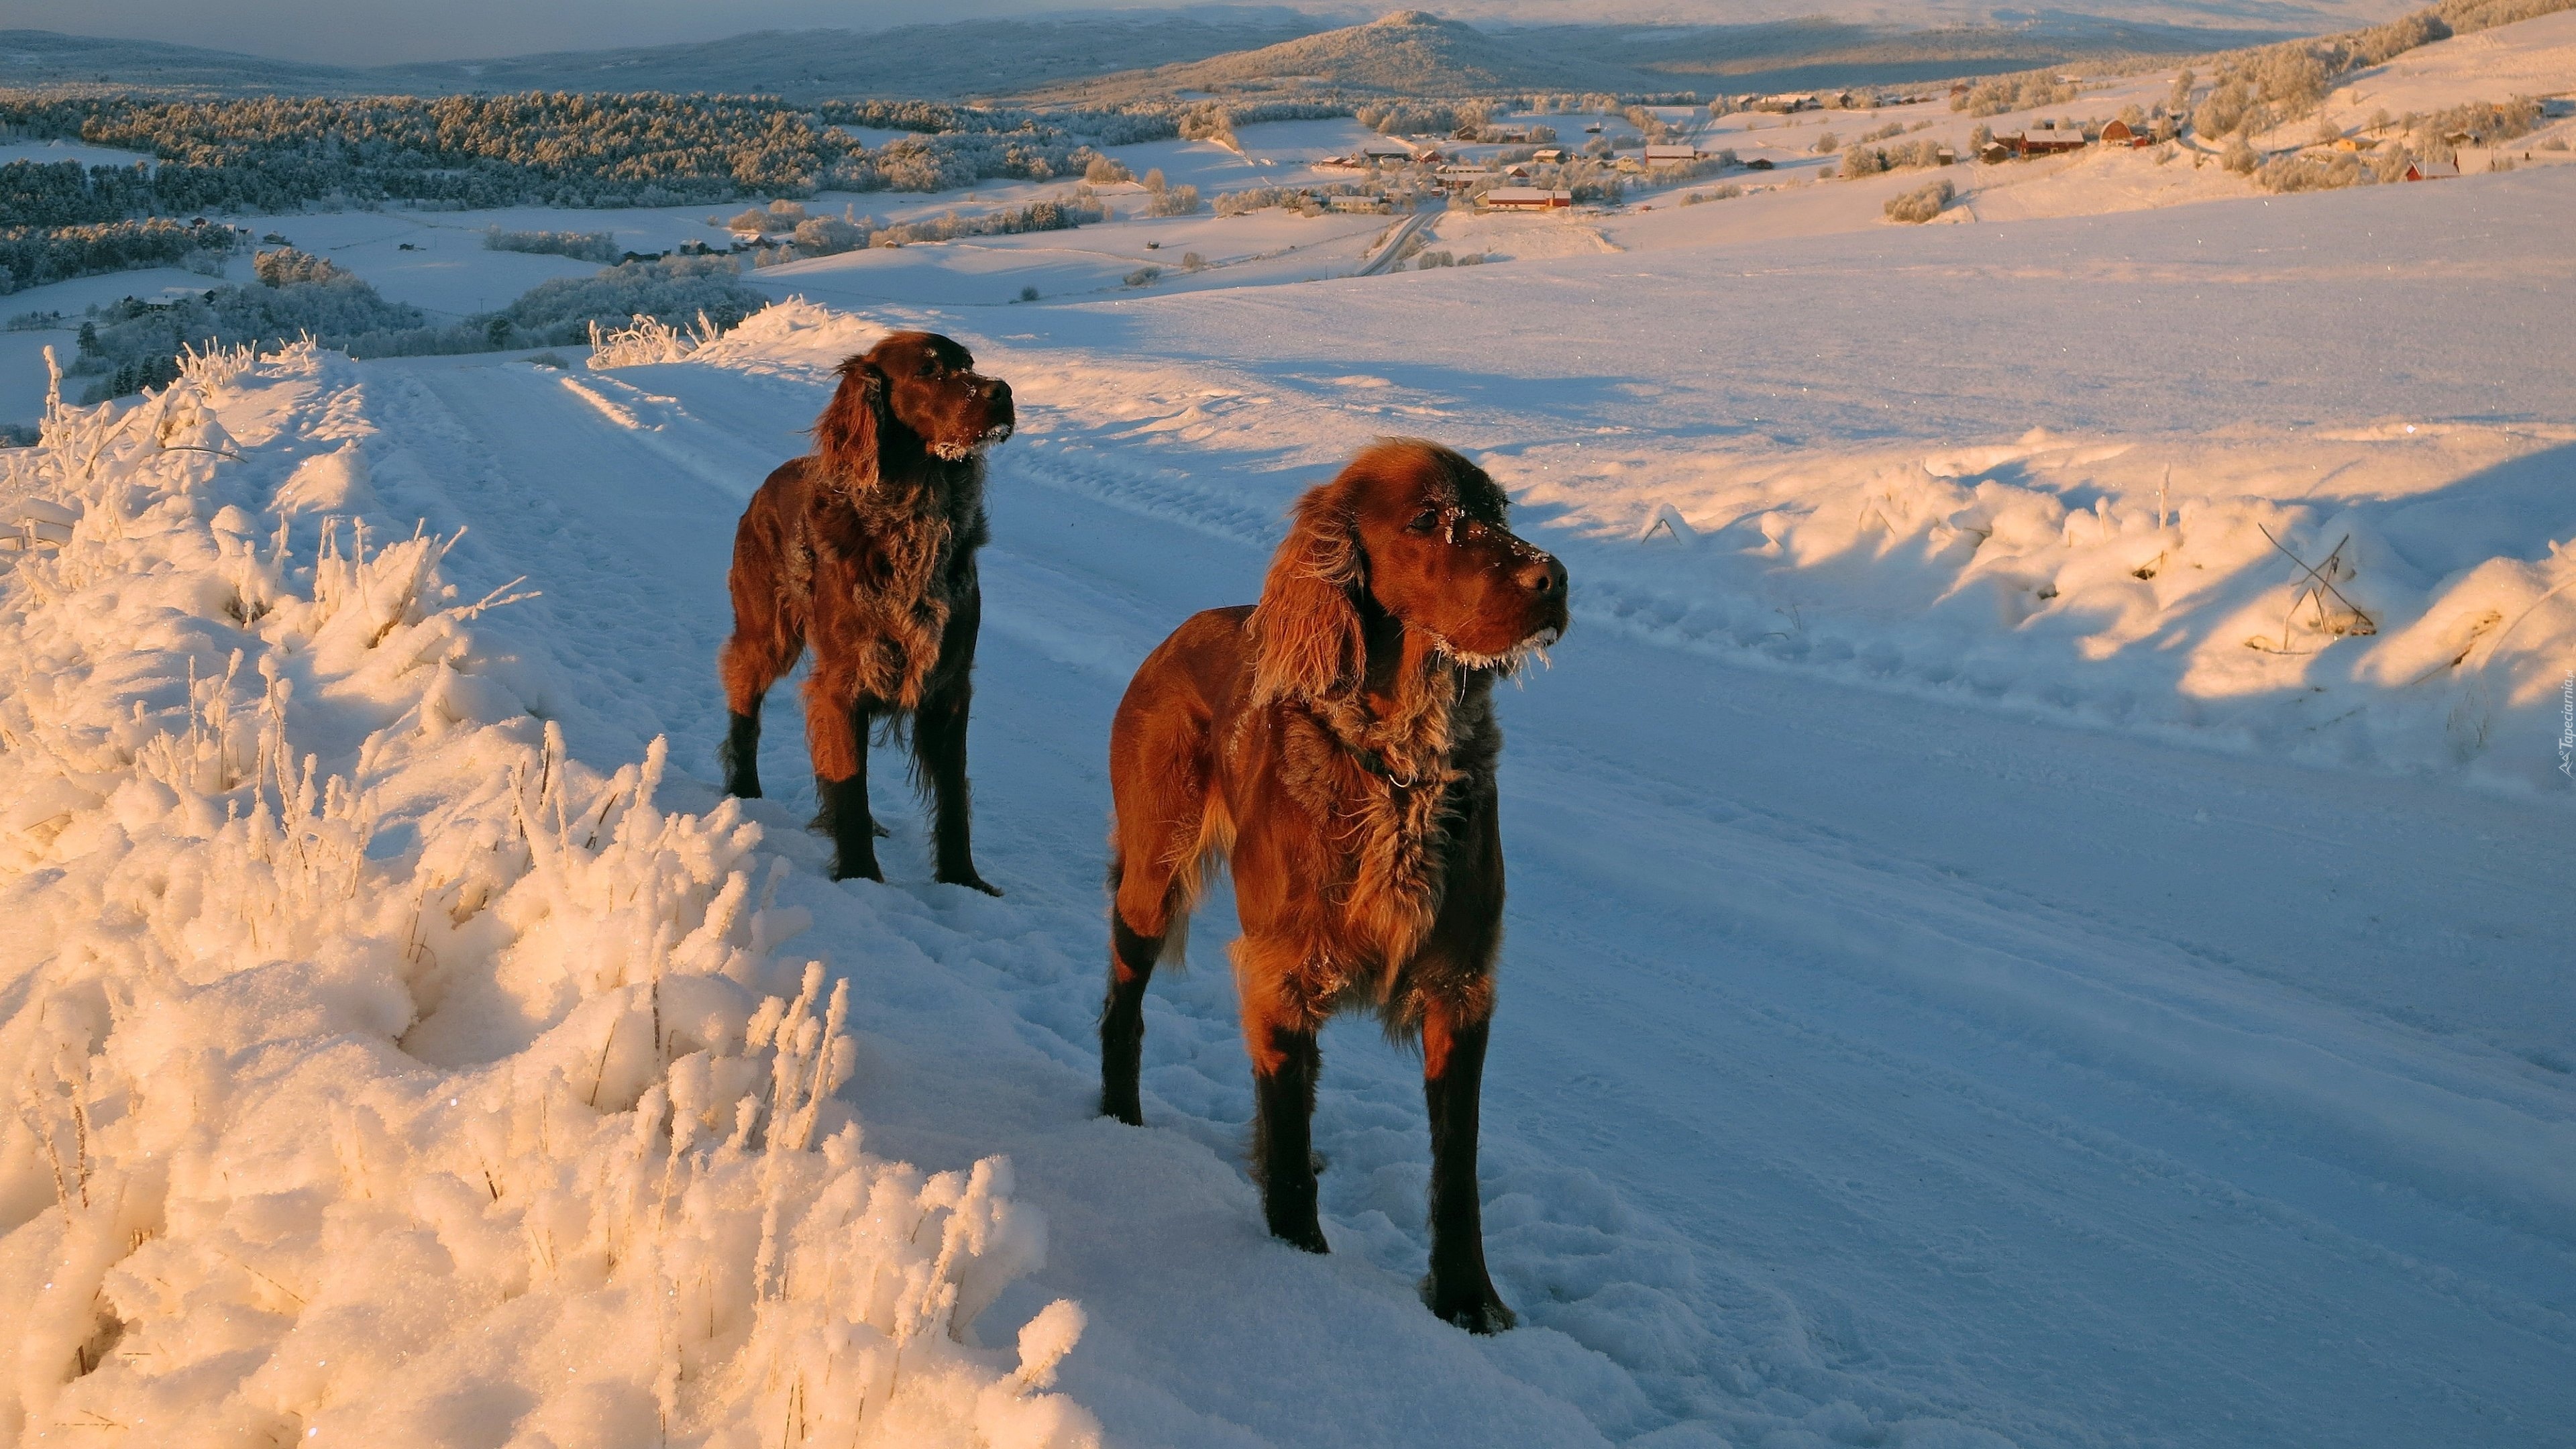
2044,141
1526,198
1658,155
2121,133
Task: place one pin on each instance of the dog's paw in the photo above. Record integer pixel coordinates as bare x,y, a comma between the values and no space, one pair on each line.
1475,1307
971,882
1306,1236
858,870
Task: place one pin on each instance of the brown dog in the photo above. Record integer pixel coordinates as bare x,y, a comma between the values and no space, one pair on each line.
1337,742
866,550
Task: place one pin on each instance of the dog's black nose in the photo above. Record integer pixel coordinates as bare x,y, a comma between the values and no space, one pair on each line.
1542,575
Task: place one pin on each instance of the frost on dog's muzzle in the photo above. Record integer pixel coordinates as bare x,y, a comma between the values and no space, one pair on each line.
960,452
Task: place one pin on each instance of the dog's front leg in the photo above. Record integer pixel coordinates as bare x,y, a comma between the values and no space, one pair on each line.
836,728
939,741
1284,1137
1453,1072
939,750
1279,1032
740,754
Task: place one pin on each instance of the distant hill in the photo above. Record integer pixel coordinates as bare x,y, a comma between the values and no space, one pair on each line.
1141,55
46,58
1415,53
960,60
1804,54
1409,52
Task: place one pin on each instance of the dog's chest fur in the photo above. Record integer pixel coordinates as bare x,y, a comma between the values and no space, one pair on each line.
1388,794
880,569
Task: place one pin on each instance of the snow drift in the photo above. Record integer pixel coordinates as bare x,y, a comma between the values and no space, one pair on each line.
381,1073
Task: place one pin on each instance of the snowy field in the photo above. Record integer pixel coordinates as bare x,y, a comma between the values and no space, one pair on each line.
2040,909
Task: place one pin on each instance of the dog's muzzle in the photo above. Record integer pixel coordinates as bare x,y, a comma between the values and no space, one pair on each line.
956,452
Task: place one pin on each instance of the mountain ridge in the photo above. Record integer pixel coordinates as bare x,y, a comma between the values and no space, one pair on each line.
1129,56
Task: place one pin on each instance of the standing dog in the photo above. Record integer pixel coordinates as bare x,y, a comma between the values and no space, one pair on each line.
1337,743
865,549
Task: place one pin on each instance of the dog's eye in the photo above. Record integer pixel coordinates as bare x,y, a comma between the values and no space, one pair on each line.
1424,522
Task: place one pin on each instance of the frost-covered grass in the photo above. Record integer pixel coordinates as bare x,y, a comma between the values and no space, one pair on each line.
383,1074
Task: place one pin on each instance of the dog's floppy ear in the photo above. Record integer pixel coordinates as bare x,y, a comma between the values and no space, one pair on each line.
1306,629
846,435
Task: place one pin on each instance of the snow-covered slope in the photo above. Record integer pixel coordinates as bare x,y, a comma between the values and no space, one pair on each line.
385,1075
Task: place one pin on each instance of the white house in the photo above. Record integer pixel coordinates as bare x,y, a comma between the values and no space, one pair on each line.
1659,155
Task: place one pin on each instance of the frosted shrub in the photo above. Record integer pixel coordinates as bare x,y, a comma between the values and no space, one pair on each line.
1057,213
586,246
2226,108
1144,276
562,311
825,236
1107,171
778,216
2485,123
2026,91
2290,77
2240,156
2302,173
1921,204
287,267
133,346
1173,201
542,1137
648,340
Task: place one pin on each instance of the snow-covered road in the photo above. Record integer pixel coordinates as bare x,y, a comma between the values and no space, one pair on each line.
1868,1065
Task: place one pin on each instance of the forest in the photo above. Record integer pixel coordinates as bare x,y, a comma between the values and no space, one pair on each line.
281,153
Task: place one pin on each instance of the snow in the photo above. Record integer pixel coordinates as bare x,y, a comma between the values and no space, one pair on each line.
335,976
48,153
1988,963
